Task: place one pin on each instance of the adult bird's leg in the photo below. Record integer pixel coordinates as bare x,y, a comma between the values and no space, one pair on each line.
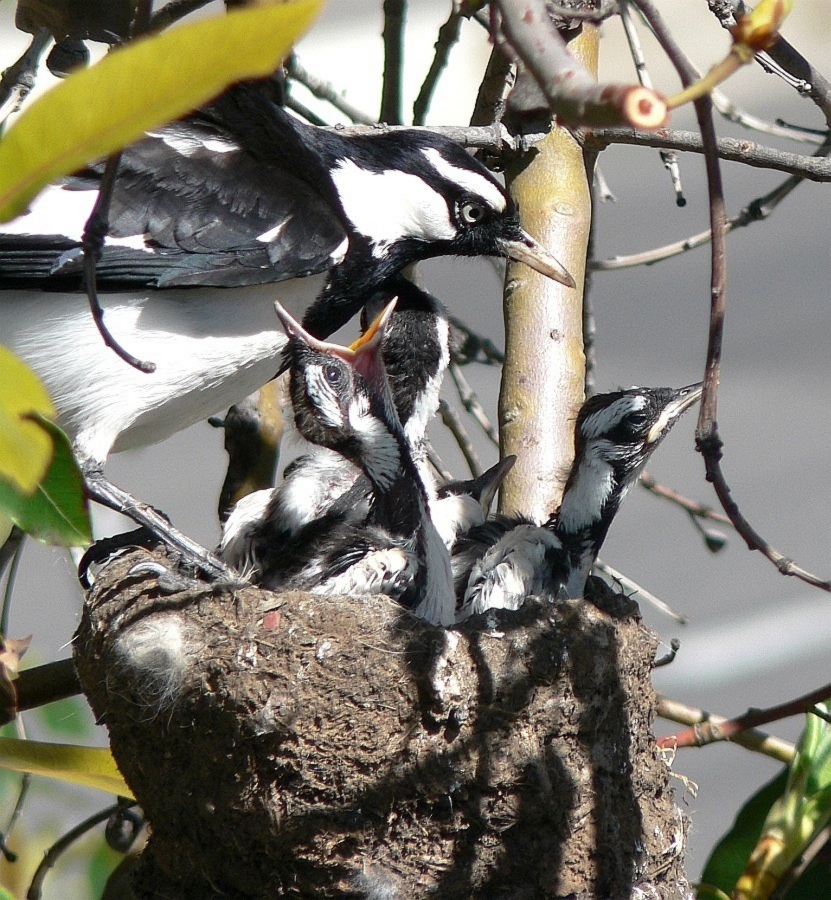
103,491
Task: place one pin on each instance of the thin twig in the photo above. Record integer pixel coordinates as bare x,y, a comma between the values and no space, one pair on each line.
704,724
470,401
324,90
714,540
447,39
435,461
394,12
452,421
602,190
304,112
19,78
788,62
668,157
755,211
10,557
173,11
52,854
699,510
628,584
466,346
732,113
708,440
95,231
22,794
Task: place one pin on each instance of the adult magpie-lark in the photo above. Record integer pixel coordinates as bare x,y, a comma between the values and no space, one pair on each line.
499,564
240,195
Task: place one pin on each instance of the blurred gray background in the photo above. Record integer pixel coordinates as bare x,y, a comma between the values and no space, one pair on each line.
754,638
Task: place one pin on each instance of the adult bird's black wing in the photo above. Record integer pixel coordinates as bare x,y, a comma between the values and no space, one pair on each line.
190,207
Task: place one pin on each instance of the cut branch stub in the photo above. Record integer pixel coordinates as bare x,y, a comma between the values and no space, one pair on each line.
573,95
293,745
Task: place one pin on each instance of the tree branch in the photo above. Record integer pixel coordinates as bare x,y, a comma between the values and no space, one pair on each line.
498,137
324,90
19,78
707,728
573,94
755,211
708,440
453,423
448,37
812,168
668,157
394,12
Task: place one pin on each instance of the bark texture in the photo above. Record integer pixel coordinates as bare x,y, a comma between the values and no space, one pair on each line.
544,371
301,746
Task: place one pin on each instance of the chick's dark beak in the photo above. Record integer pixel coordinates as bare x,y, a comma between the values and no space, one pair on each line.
681,402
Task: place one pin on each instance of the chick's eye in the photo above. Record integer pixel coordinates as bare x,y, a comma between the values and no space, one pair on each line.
333,375
638,422
471,213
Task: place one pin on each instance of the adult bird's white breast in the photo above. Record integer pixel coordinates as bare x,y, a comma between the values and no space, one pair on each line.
211,349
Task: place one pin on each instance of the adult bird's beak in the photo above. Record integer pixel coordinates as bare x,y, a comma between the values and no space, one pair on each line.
526,250
681,402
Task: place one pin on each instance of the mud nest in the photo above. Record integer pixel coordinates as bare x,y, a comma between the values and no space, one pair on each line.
301,746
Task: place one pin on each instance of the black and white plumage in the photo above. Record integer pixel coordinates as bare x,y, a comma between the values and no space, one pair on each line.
239,195
415,348
341,400
462,505
502,562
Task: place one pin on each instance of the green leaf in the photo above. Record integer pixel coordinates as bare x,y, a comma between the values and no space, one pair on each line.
25,447
65,718
102,863
730,856
88,766
815,882
6,894
150,81
57,511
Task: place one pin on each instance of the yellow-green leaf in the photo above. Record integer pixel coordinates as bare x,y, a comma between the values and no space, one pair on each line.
57,512
88,766
25,446
150,81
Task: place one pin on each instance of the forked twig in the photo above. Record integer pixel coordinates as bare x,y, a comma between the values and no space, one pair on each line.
705,725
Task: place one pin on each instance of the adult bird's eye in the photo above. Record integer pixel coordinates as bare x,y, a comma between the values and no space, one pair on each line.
332,374
471,213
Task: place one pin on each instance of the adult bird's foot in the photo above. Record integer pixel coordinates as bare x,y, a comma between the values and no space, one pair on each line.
189,553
